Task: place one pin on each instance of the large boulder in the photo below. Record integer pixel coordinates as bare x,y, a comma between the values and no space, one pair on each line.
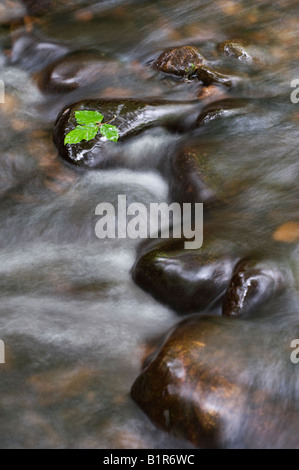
209,381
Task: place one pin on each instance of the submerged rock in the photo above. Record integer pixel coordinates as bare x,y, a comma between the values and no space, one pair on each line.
179,60
192,178
193,174
130,116
186,280
202,383
77,69
287,232
32,52
227,107
211,92
235,49
253,282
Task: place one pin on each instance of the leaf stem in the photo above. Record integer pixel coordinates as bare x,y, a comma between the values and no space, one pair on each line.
99,124
111,120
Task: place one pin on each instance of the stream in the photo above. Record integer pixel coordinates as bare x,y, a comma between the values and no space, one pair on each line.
81,316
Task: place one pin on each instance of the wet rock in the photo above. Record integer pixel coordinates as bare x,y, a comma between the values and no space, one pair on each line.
11,10
179,60
252,283
32,53
194,174
236,50
186,280
209,76
35,7
223,108
77,69
192,178
173,389
42,7
187,62
130,116
203,383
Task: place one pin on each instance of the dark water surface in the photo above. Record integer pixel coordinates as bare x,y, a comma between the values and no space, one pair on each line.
74,323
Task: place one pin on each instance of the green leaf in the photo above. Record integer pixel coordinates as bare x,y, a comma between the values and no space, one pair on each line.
110,132
81,133
88,117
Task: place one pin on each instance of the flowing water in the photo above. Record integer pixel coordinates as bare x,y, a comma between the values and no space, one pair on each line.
74,324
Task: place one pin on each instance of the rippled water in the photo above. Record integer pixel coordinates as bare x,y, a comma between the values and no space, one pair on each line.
75,325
